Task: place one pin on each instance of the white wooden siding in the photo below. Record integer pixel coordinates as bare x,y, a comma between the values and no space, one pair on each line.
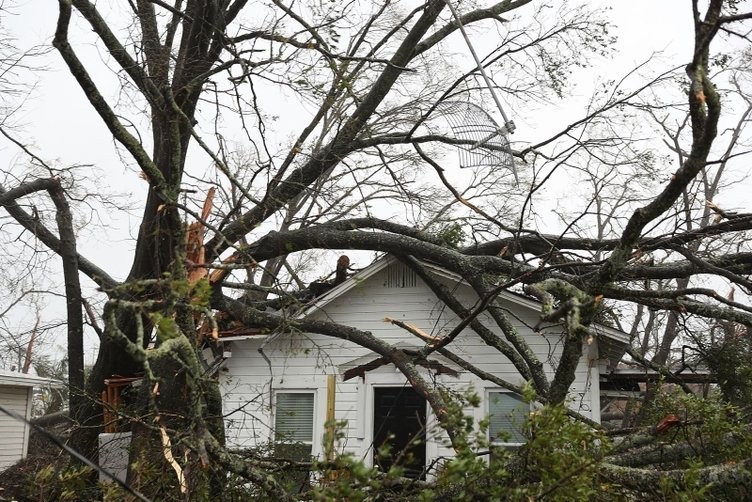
303,361
13,433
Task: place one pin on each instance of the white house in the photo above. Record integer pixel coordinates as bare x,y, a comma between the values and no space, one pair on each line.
275,386
16,393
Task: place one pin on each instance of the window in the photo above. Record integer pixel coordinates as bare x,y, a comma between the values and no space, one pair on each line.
293,425
507,413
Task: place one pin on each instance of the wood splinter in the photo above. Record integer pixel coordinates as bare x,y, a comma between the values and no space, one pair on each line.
413,330
167,451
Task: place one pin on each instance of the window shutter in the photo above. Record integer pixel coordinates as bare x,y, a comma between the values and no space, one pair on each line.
507,415
294,417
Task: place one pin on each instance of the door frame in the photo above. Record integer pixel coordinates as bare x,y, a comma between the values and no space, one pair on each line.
392,378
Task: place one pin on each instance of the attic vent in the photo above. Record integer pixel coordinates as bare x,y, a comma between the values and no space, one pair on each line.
400,276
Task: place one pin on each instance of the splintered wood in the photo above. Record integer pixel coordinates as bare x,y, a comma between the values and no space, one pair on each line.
195,250
414,330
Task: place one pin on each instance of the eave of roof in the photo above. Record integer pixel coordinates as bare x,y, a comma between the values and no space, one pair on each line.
15,379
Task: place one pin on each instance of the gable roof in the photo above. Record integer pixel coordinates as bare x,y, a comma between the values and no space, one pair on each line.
612,342
385,261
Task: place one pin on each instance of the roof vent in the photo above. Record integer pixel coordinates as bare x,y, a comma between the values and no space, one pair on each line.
400,276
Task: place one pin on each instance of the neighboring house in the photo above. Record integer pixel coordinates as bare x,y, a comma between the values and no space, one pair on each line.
627,384
275,386
16,394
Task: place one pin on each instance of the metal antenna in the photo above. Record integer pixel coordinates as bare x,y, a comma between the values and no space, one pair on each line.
508,124
484,143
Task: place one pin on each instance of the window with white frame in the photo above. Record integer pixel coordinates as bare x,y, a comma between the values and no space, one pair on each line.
293,425
507,412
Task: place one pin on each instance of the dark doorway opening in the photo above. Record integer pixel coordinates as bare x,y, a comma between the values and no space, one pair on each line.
399,420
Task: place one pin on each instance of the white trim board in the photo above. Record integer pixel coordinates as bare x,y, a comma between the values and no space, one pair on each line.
14,379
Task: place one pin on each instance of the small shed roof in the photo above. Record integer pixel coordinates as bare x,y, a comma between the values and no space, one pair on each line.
15,379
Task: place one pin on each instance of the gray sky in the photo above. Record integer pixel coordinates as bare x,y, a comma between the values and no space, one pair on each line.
60,125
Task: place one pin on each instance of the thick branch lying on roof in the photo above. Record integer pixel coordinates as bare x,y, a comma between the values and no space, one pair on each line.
337,236
499,314
400,239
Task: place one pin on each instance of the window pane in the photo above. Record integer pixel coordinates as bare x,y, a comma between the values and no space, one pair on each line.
294,417
507,415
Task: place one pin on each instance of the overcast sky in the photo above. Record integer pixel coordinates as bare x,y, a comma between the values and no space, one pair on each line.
57,121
